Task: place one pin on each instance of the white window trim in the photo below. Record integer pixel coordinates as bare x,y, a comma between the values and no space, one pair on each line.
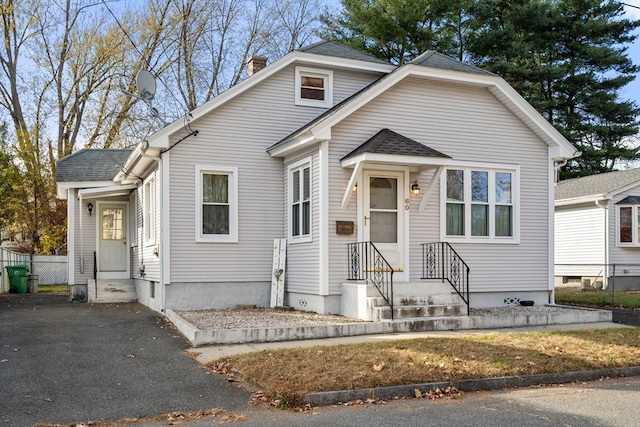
327,75
299,166
149,212
232,237
634,226
467,167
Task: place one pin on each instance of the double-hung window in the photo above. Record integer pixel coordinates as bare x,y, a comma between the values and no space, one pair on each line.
314,88
149,213
479,204
300,201
628,221
216,204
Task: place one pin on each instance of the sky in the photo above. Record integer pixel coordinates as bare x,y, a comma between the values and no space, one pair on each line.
632,91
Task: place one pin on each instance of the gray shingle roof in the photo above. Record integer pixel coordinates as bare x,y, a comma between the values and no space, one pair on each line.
91,165
338,50
389,142
594,185
434,59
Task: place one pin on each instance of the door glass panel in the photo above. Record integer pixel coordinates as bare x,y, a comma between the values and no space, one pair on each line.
384,227
383,209
112,224
383,193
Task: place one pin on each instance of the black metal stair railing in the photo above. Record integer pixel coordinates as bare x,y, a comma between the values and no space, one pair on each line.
367,263
441,261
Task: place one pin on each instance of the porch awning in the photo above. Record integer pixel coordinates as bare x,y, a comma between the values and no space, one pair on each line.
390,148
103,192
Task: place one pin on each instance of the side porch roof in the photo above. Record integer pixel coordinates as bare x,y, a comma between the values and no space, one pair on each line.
89,168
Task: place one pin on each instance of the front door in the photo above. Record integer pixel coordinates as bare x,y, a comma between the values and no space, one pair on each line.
383,215
113,251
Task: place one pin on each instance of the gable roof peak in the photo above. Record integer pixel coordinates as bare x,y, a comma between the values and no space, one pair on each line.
435,59
335,49
387,141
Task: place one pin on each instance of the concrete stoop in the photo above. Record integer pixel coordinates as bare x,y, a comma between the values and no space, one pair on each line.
112,291
569,315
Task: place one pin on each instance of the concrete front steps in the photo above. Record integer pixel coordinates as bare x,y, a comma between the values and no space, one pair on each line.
111,291
415,301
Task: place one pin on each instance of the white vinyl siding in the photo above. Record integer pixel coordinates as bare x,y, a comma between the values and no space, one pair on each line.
579,234
146,253
470,125
238,134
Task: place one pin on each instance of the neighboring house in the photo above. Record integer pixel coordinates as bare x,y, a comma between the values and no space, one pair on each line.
328,147
597,223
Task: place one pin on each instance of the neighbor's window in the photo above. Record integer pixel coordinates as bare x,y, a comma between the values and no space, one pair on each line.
479,204
300,200
314,88
217,204
628,220
149,221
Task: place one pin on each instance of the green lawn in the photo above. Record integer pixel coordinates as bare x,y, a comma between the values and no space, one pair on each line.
57,288
627,299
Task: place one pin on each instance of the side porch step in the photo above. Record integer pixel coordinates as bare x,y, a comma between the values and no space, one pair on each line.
111,291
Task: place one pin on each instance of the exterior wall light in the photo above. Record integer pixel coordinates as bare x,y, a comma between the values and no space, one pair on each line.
90,208
415,188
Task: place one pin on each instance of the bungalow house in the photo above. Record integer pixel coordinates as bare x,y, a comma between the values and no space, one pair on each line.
380,178
597,226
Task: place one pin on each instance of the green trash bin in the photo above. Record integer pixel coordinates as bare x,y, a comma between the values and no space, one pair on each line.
18,278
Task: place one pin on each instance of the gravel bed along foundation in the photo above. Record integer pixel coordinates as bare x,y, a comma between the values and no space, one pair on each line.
250,318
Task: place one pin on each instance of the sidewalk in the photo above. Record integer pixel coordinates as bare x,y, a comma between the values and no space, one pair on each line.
209,353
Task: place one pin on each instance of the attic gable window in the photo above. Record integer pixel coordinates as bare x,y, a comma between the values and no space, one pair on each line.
314,87
628,221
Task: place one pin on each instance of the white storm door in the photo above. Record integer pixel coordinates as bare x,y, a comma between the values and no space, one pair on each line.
383,215
113,251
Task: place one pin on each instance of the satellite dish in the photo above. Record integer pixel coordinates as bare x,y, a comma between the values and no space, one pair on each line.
146,84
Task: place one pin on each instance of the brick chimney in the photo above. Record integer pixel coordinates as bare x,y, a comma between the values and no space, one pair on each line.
256,63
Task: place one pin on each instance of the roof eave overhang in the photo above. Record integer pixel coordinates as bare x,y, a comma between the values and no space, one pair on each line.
299,142
418,162
63,187
162,139
137,164
593,198
105,192
559,148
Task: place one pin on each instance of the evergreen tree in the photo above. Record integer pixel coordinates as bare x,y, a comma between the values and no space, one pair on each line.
397,30
567,58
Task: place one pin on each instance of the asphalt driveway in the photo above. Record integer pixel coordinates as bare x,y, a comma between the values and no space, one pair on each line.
68,363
